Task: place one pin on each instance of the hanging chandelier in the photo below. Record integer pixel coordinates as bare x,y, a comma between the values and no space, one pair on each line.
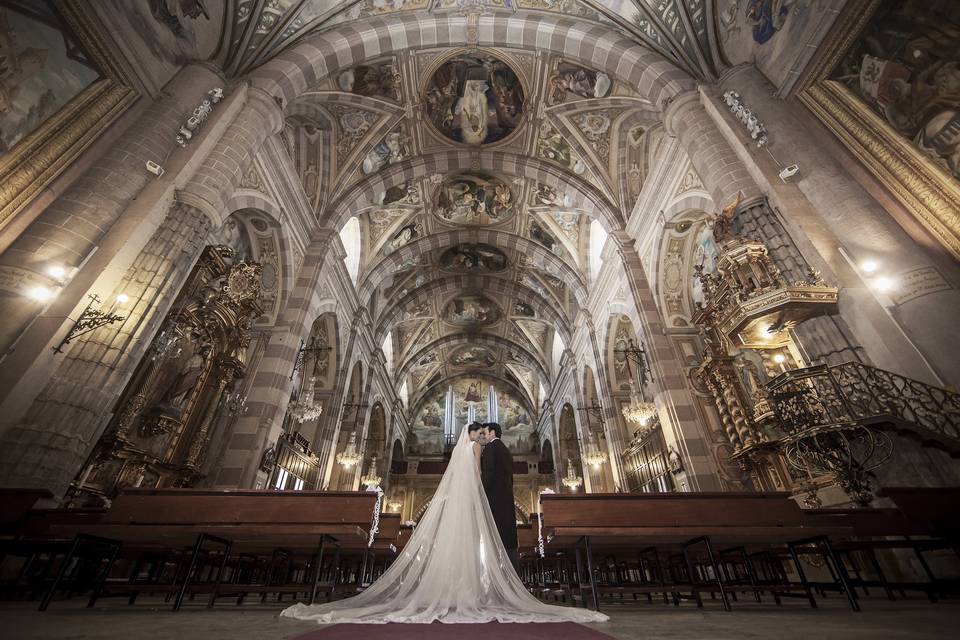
350,457
305,408
595,456
371,480
572,481
394,506
639,411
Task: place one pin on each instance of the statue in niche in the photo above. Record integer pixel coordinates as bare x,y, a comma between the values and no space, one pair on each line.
179,391
674,460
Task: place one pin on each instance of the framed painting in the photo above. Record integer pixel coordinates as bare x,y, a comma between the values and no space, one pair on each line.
887,84
60,88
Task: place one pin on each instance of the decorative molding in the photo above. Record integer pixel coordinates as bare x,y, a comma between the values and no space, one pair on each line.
927,191
37,159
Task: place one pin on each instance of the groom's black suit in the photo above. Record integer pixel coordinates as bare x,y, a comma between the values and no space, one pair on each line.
496,473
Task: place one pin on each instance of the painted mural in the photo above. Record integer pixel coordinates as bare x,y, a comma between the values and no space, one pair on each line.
474,99
704,253
569,7
552,146
473,258
378,7
544,237
774,34
906,68
473,356
572,82
392,148
474,199
37,77
471,395
471,311
405,235
378,80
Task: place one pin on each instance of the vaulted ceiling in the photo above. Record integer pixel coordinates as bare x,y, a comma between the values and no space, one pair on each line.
474,174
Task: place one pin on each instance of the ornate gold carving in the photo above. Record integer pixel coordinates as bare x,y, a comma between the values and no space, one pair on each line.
39,157
925,189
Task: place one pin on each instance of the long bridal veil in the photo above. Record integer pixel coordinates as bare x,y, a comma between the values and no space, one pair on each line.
453,569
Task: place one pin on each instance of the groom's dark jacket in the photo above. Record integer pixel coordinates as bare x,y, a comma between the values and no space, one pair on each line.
496,473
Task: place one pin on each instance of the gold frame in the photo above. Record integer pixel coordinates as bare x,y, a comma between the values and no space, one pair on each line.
926,190
42,155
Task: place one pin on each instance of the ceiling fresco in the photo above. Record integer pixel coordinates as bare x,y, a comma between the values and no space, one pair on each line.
475,175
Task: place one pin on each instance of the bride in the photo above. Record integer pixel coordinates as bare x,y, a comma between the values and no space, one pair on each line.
453,569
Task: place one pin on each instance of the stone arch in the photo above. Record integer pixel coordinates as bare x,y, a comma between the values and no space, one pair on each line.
450,285
456,339
503,240
587,198
300,67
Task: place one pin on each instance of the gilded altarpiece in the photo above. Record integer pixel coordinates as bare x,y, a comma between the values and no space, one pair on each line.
162,426
746,316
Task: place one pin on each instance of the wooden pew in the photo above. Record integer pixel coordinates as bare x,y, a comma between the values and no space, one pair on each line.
15,503
688,521
241,522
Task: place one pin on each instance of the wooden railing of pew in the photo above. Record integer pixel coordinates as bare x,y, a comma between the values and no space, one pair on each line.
184,542
682,545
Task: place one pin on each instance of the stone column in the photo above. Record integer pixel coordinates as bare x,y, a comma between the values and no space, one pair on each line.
690,436
822,210
50,444
833,210
269,391
74,225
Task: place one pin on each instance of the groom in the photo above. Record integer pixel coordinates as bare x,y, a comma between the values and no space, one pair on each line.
496,473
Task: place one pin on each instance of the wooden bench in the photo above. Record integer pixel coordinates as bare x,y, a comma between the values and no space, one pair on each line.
643,523
246,523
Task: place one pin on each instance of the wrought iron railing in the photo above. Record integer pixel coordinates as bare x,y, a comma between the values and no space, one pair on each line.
854,393
832,419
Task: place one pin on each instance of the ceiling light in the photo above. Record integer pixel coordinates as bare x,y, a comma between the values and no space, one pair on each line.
779,358
40,294
868,266
123,298
56,271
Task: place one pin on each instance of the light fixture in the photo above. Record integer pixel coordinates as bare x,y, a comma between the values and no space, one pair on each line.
371,480
594,456
41,294
572,481
884,284
350,457
639,411
305,408
779,358
868,266
90,319
394,506
123,298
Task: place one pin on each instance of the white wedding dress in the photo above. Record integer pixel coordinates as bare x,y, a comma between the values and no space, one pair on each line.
453,569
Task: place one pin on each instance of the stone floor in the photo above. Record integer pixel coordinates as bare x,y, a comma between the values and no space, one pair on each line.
914,619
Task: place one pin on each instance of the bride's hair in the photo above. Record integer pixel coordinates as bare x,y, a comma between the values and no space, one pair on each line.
495,427
474,426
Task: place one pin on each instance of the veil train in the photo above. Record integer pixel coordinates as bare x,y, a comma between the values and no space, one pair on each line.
453,569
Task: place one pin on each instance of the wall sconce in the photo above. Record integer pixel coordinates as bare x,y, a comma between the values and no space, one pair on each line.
91,319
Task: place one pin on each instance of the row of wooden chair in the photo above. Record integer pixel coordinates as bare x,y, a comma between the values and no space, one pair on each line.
687,545
182,543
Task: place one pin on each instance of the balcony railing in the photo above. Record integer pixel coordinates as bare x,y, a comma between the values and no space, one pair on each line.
834,420
821,397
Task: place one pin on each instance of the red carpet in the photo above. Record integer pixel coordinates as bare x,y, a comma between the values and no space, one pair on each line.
438,631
